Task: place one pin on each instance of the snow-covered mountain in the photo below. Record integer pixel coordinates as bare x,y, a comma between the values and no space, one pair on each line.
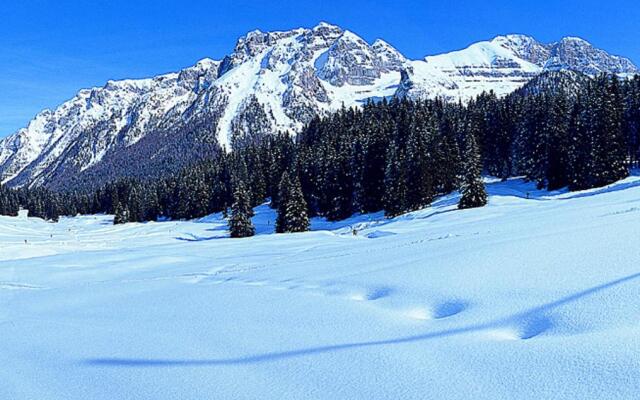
503,65
271,81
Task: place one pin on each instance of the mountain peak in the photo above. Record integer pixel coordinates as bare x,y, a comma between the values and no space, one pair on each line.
206,62
524,47
326,25
253,33
349,35
574,39
326,31
380,43
389,56
513,38
577,54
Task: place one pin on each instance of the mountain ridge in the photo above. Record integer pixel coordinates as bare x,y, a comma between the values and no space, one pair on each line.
272,81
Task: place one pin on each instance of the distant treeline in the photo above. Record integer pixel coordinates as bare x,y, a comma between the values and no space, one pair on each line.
563,130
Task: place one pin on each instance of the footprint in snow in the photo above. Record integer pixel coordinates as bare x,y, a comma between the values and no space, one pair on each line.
523,329
371,294
437,311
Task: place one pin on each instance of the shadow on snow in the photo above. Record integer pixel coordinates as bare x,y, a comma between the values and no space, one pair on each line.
535,321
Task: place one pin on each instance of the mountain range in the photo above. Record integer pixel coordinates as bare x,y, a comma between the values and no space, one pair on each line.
272,81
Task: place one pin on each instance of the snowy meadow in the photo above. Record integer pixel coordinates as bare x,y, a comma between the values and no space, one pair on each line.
535,296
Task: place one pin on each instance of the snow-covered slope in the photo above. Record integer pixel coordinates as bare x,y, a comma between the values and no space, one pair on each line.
271,81
481,67
536,296
503,65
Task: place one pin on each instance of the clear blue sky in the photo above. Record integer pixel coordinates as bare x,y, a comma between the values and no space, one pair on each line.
49,49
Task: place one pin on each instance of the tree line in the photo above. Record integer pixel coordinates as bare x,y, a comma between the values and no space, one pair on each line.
560,130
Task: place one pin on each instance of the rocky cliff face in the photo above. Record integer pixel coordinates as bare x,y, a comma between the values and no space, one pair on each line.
272,81
579,55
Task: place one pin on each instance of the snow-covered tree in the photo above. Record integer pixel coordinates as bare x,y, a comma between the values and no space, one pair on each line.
473,191
292,207
122,215
240,224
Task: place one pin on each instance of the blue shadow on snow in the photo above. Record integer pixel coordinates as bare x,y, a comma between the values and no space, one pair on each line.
535,321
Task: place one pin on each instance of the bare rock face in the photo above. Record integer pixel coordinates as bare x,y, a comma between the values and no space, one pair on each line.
350,60
579,55
272,81
305,94
525,47
389,59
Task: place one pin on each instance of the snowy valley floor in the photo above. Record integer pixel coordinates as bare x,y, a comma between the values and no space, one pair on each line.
534,298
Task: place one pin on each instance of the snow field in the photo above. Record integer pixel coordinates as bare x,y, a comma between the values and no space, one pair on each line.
535,296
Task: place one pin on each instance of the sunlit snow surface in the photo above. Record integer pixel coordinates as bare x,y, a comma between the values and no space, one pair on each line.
536,296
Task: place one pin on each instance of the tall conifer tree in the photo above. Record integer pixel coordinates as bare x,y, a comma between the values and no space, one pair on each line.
292,208
473,191
240,224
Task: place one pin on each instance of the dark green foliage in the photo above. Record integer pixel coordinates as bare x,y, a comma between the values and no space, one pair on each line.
121,215
395,195
240,224
473,191
9,202
601,139
292,207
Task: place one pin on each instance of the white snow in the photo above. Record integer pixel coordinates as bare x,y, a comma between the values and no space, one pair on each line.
465,74
350,95
480,55
536,296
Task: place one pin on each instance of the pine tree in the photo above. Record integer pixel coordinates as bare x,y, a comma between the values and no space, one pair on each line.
134,205
473,191
283,199
615,143
446,159
240,223
121,214
297,217
556,174
376,136
579,148
395,195
292,208
419,162
52,207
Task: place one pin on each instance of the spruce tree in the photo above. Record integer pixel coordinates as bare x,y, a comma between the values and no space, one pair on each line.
419,162
134,205
579,147
473,191
292,208
283,199
240,224
556,175
121,215
52,208
376,137
615,143
395,195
